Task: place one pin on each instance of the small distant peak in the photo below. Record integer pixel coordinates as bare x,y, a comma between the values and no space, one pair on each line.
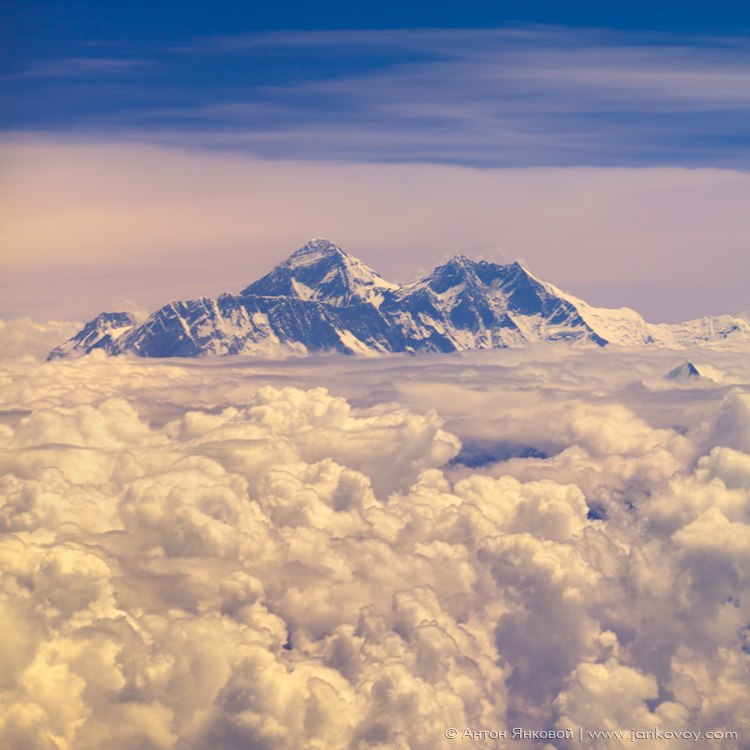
101,332
685,371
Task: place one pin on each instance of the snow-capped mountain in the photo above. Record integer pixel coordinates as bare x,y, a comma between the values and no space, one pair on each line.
465,304
100,333
323,299
323,272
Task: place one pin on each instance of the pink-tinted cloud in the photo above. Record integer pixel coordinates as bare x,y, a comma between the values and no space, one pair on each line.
85,225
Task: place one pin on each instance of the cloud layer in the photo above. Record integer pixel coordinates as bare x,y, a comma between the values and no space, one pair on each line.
227,555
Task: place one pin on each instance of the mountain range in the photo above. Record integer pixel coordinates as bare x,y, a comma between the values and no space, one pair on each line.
322,298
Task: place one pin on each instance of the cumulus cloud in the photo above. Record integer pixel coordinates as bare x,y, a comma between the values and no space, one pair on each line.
225,554
25,337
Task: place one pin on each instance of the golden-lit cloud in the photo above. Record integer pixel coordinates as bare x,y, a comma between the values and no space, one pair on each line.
222,553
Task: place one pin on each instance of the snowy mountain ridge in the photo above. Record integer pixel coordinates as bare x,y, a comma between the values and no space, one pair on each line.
324,299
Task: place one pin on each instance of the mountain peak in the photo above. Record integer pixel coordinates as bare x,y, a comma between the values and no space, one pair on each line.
315,249
99,333
322,271
685,371
458,271
464,261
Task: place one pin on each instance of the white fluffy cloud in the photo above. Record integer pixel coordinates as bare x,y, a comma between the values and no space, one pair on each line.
223,554
25,337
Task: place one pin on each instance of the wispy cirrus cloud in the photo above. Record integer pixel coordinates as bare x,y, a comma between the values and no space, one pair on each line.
77,67
525,96
600,67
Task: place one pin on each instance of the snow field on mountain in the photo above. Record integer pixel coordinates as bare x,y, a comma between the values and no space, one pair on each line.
323,299
246,553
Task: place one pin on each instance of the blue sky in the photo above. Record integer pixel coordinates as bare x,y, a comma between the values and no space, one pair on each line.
480,84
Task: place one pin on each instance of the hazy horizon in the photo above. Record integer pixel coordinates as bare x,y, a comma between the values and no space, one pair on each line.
152,223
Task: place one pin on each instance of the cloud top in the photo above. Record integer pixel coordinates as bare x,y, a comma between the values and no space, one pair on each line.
229,555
